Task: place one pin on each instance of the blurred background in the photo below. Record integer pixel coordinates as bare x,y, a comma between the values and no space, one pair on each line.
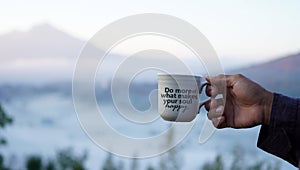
41,40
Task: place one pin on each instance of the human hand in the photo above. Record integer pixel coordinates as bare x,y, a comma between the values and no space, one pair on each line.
247,104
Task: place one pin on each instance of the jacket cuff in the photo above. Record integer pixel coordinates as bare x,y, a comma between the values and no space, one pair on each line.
278,138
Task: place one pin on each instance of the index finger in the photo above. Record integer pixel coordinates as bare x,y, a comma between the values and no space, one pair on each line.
218,83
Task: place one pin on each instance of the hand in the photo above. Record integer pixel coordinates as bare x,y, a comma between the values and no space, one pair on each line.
247,104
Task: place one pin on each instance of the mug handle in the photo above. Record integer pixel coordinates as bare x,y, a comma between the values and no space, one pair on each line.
200,91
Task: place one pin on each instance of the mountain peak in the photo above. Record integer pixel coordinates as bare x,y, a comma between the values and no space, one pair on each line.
43,26
46,29
40,41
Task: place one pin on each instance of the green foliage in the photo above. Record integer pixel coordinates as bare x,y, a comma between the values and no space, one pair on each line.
4,119
150,167
65,160
256,166
1,161
273,166
109,163
34,163
134,164
120,165
172,159
3,141
68,160
239,163
2,166
238,159
50,165
217,164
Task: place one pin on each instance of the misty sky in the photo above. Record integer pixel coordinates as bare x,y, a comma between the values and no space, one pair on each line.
244,30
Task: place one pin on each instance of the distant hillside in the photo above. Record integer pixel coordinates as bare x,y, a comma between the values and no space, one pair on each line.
281,75
40,41
43,54
46,54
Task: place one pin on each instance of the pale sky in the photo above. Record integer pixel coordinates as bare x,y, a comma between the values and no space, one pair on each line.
239,30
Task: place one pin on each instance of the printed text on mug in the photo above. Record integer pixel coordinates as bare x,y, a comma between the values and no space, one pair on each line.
177,99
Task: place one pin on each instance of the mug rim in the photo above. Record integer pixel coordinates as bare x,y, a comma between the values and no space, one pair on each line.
165,75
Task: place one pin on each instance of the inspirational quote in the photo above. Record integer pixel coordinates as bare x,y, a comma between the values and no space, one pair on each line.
178,99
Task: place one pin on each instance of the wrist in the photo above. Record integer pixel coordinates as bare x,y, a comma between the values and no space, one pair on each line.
267,107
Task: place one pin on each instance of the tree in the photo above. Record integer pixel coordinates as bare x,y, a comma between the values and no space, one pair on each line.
217,164
134,164
120,165
239,163
109,163
68,160
34,163
172,159
238,158
274,166
4,121
50,165
257,166
150,167
2,166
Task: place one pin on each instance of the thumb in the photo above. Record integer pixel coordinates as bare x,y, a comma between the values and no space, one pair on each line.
207,78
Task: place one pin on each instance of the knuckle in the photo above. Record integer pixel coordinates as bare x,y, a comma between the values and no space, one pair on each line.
220,76
238,76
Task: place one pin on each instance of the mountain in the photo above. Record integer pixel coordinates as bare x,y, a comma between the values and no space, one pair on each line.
43,54
47,54
40,41
280,75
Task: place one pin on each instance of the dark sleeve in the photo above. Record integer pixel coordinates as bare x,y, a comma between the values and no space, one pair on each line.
281,137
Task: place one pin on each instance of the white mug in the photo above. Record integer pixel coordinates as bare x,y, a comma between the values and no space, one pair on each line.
178,96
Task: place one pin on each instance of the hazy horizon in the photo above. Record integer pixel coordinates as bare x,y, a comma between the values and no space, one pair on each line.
229,62
247,31
51,51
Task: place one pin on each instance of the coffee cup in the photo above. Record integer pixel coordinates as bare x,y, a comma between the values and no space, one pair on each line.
179,96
